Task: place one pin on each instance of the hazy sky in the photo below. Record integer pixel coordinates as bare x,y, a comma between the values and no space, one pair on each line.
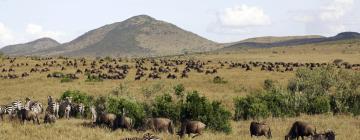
217,20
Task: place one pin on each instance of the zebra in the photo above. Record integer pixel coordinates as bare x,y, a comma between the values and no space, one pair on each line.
2,111
146,136
37,107
14,107
53,106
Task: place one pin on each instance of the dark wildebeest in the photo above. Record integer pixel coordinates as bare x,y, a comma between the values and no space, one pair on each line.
191,127
300,129
159,125
260,129
29,115
123,122
329,135
49,118
107,119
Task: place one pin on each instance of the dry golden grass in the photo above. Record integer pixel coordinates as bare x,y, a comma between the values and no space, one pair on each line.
240,83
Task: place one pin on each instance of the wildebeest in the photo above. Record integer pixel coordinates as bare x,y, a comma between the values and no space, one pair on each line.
328,135
123,122
107,119
300,129
160,125
29,115
191,127
260,129
49,118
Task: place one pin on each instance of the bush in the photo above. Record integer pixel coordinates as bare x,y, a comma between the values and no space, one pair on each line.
250,107
93,78
79,97
319,105
179,90
165,106
269,84
66,79
215,116
219,80
132,108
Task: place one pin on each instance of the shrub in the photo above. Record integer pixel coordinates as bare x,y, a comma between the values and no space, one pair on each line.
219,80
319,105
269,84
251,106
215,116
93,78
179,90
79,97
66,79
165,106
132,108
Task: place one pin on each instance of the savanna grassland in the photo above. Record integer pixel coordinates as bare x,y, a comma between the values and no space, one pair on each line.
239,83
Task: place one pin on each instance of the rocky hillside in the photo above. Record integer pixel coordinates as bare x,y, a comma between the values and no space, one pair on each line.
138,36
30,47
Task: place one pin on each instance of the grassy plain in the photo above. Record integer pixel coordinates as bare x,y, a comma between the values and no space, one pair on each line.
239,83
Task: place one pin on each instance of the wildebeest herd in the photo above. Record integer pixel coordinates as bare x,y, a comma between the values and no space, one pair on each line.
146,68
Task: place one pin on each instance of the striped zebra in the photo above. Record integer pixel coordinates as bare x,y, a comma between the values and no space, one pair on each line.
37,107
146,136
13,108
53,106
2,112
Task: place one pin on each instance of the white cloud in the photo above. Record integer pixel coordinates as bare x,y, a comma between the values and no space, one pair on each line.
243,16
327,20
6,35
239,19
38,31
336,9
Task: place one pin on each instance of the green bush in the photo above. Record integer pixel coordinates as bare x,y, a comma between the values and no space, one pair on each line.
215,116
133,109
93,78
319,105
251,107
80,97
219,80
165,106
179,90
269,84
66,79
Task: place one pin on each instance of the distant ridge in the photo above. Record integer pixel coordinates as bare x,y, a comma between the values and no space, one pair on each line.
30,47
292,42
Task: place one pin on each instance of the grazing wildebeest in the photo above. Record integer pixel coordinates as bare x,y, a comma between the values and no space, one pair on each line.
191,127
300,129
160,125
29,115
123,122
107,119
49,118
328,135
260,129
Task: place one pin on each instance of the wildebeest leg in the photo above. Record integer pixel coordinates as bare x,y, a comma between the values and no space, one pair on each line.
37,119
197,134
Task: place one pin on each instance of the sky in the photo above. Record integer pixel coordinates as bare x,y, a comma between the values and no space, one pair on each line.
221,21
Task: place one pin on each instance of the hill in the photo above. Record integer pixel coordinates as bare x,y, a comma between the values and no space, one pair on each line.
137,36
291,42
30,47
